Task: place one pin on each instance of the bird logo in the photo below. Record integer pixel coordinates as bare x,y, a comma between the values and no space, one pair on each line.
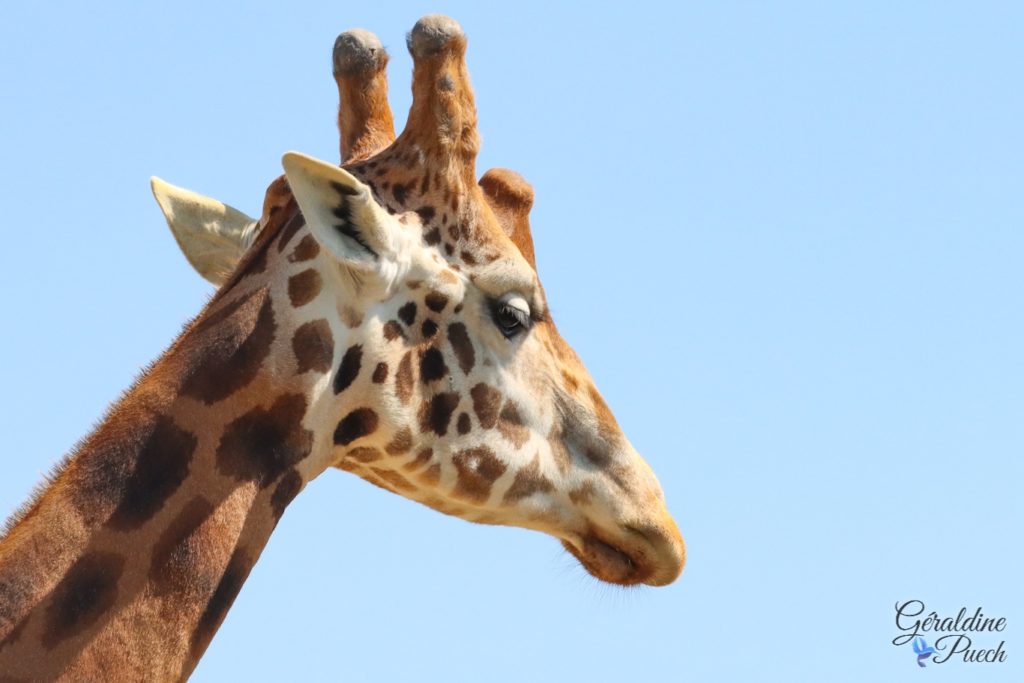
923,650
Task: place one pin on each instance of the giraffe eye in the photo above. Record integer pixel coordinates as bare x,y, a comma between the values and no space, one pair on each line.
512,316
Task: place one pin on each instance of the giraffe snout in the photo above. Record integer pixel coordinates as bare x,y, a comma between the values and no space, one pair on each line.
650,552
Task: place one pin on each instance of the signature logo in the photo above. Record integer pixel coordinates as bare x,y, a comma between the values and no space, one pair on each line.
968,636
923,650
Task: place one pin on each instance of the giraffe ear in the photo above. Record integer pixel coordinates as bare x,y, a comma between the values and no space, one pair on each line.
340,211
213,236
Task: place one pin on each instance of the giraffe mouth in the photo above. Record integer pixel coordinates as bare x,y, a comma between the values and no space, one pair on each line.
606,561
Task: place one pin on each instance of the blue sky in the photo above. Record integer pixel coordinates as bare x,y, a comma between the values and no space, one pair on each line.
786,239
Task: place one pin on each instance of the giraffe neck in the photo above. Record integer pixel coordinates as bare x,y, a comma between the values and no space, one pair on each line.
126,564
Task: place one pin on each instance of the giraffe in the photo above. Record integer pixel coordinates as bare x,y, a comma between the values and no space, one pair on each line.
387,319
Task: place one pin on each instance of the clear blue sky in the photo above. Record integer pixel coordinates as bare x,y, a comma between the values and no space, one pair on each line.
787,240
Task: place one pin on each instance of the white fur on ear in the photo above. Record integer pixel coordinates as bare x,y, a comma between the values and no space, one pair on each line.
213,236
340,211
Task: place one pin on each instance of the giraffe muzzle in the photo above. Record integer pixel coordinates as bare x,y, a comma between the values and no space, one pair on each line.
651,554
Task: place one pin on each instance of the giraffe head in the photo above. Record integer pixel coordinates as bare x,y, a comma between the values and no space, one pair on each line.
415,303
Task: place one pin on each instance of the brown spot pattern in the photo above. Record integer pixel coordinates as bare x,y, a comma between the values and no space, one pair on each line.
220,602
83,595
462,346
486,403
303,287
307,249
407,313
263,443
351,363
393,331
478,469
313,346
528,481
380,373
404,379
511,426
400,443
238,341
178,551
464,424
432,366
435,301
436,413
357,424
160,467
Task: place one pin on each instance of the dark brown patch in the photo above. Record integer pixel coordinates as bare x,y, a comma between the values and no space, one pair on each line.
400,191
178,552
236,341
464,423
435,301
432,236
511,426
404,379
528,481
426,213
421,459
364,454
285,492
432,366
303,287
462,346
220,602
478,469
486,403
263,443
449,248
467,258
429,328
160,467
458,307
307,249
407,313
83,595
351,363
357,424
400,443
287,233
393,331
437,413
380,373
313,346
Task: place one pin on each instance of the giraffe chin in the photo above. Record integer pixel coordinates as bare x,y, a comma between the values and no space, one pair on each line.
607,562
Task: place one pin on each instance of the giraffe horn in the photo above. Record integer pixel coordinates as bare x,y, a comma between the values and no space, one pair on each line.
364,116
442,119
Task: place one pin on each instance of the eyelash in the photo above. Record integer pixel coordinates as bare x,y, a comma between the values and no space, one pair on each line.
510,320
